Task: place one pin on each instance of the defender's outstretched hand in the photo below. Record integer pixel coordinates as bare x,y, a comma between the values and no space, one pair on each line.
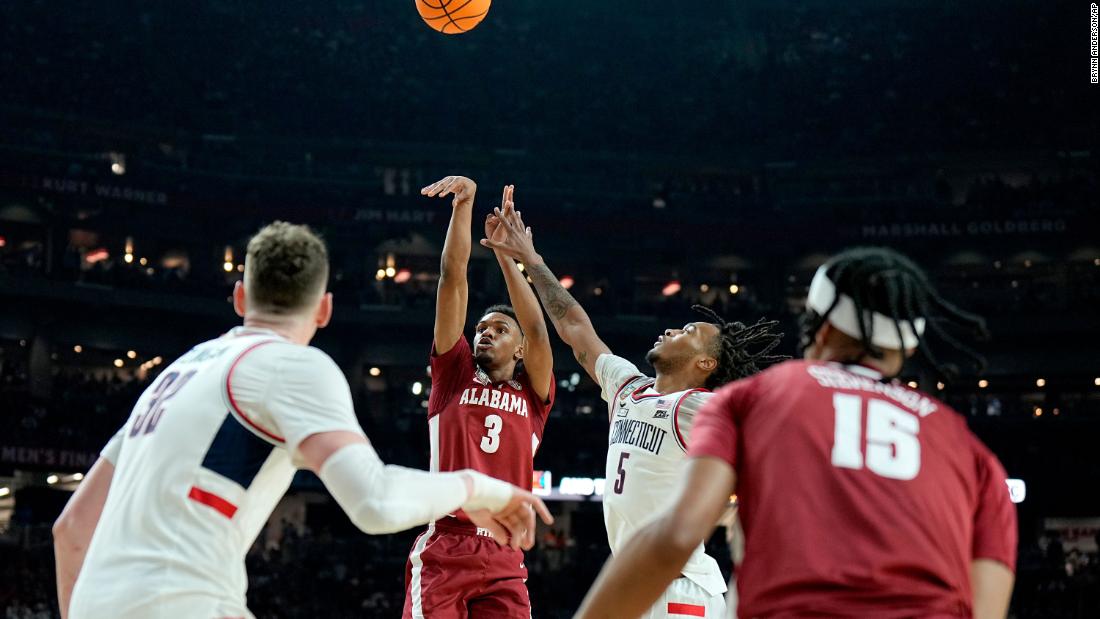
514,525
493,229
510,236
462,188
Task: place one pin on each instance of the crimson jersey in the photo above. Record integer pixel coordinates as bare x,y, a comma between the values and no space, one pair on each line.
858,497
475,424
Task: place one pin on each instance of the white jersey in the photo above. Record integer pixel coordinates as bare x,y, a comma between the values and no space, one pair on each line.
647,445
209,449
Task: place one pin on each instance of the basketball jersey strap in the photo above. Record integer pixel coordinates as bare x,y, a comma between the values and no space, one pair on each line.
681,440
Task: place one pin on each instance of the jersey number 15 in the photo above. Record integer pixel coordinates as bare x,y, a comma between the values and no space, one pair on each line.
892,447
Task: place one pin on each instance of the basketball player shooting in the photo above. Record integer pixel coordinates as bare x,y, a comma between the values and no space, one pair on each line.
650,417
161,524
487,409
860,497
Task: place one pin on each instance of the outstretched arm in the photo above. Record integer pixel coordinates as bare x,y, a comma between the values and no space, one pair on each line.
453,292
383,498
538,357
634,578
569,318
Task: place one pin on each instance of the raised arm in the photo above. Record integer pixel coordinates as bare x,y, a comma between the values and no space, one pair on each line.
569,318
453,292
538,357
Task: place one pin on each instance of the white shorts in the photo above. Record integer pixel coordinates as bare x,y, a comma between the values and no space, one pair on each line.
684,599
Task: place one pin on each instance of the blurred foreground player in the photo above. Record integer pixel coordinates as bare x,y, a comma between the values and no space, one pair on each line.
163,520
486,412
650,418
859,496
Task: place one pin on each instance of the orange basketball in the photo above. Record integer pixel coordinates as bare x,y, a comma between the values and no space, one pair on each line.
453,16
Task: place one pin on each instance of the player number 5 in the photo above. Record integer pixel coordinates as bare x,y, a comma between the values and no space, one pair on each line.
490,443
620,480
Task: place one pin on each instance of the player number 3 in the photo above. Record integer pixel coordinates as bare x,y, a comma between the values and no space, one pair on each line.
893,449
490,443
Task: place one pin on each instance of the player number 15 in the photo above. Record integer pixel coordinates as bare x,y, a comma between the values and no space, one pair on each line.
892,447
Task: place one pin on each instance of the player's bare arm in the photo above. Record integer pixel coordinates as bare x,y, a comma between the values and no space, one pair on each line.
384,499
992,583
632,580
569,318
453,292
538,357
74,528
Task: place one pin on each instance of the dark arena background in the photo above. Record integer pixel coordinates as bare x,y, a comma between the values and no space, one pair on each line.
665,154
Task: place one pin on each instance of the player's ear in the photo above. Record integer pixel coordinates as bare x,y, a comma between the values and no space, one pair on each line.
239,305
324,311
707,364
518,355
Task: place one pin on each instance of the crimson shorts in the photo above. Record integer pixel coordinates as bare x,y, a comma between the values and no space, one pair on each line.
456,571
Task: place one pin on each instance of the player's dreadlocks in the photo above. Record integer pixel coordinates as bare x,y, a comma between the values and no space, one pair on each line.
884,281
741,350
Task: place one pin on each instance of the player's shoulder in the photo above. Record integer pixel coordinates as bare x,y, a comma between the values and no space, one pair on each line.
610,363
779,374
460,348
694,396
283,349
459,358
787,369
281,356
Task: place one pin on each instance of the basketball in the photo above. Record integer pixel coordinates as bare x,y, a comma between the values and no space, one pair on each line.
453,16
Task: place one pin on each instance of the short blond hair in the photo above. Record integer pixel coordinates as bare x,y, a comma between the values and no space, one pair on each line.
286,268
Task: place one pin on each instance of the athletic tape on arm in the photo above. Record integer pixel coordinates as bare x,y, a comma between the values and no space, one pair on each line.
381,498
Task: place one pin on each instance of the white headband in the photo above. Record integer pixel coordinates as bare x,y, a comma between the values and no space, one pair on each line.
884,333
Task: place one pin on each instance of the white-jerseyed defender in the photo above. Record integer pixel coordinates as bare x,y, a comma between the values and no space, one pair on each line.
650,418
160,526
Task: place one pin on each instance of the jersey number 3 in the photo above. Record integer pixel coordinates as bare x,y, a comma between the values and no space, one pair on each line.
490,443
892,446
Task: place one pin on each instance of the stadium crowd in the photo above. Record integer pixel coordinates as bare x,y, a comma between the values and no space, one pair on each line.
283,97
917,76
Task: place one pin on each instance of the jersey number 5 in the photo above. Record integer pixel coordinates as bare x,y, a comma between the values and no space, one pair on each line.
892,447
490,443
620,479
